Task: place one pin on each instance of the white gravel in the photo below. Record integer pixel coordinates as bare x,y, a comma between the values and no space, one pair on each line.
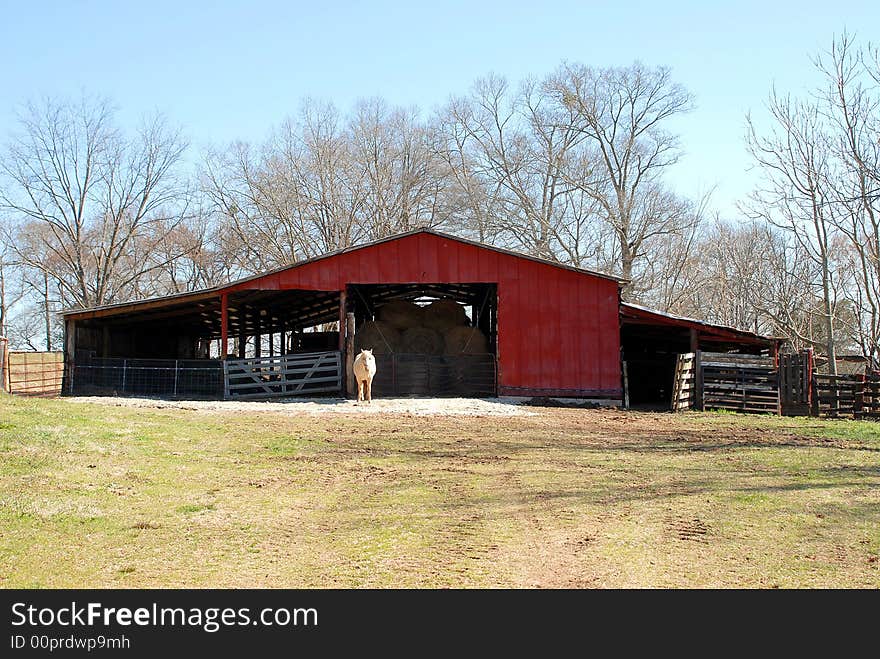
315,406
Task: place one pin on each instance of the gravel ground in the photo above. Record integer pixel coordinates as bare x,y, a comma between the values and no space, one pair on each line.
415,406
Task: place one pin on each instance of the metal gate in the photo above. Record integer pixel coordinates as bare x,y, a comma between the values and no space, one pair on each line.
285,375
404,374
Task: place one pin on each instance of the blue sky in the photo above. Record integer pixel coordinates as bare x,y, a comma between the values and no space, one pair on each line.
232,70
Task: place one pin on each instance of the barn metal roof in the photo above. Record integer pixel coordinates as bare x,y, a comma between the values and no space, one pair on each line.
200,294
636,312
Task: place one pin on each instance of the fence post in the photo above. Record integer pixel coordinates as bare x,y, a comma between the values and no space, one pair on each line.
225,380
698,381
124,368
176,372
350,388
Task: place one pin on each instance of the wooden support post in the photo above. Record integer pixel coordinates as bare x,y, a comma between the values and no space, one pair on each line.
698,380
69,355
694,340
271,344
258,336
342,303
242,345
350,388
224,325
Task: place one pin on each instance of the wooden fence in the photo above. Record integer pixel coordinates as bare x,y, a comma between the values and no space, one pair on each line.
754,383
284,375
745,383
856,396
35,373
684,385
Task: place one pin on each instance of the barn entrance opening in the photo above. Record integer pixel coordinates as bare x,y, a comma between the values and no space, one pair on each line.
650,353
428,339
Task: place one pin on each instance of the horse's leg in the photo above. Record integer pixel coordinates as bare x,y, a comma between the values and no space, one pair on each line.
368,383
360,390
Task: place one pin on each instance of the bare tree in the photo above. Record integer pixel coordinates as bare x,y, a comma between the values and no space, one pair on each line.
512,155
794,195
393,151
850,104
89,198
624,112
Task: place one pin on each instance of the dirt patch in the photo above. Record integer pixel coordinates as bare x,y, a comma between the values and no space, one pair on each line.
323,406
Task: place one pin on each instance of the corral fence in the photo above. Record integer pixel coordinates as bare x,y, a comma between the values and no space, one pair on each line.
31,373
788,386
284,375
726,381
174,378
856,396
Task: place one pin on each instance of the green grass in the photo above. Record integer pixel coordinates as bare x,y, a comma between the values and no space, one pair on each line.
103,496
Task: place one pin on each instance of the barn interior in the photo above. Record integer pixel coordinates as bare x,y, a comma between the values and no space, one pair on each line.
430,350
154,338
651,341
190,327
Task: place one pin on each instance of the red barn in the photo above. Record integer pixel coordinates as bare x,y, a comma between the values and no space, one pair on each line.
550,330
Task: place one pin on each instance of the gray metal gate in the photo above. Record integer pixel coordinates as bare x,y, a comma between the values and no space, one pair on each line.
284,375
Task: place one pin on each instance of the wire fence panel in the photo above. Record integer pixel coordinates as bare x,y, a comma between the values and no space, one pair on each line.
169,378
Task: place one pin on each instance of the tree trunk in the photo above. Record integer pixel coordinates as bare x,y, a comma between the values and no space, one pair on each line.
48,314
2,301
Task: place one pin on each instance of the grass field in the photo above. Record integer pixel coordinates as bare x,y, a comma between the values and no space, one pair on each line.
102,496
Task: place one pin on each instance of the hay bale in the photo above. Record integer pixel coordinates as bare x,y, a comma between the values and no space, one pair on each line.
401,314
442,314
381,337
465,340
421,340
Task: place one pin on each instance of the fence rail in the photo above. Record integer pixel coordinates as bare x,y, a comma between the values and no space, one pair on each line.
284,375
857,396
745,383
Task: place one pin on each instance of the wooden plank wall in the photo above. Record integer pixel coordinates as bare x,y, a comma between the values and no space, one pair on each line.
36,373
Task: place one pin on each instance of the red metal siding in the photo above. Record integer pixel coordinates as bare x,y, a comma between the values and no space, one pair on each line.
558,330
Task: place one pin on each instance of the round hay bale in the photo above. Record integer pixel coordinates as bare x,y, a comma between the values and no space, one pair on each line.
401,314
465,340
421,340
381,337
443,314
